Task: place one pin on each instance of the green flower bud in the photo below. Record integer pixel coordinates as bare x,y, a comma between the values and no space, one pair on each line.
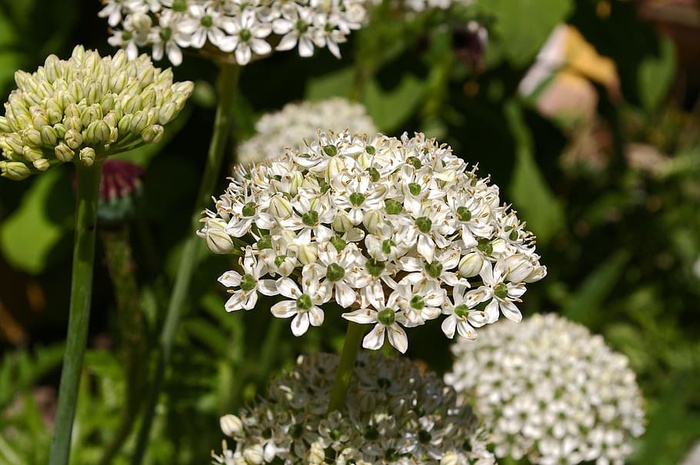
39,119
87,156
32,153
32,137
14,170
91,114
41,164
76,91
97,133
73,138
64,153
167,112
124,124
48,136
152,134
60,130
54,112
4,125
139,122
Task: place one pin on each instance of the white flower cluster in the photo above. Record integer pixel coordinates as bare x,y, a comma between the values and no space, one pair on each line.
400,231
241,29
394,413
297,122
85,108
551,391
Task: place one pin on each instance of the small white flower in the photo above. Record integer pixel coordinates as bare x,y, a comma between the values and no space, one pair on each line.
387,320
304,307
248,284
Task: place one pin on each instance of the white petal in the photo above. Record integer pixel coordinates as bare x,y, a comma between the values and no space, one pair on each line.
448,326
466,331
230,279
398,338
300,324
374,340
284,309
267,287
362,316
288,288
316,316
344,295
426,247
511,312
235,302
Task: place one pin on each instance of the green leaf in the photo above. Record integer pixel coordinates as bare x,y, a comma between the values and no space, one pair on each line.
522,26
389,109
590,297
330,85
656,75
530,193
28,236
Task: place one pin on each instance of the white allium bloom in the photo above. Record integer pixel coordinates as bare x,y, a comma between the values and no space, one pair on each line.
383,227
296,122
394,413
551,391
234,30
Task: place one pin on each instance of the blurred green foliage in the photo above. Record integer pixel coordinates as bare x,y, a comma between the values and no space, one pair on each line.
621,242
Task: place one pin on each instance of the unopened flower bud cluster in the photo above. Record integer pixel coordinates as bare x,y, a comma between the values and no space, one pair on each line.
397,231
297,122
550,391
85,108
240,30
394,414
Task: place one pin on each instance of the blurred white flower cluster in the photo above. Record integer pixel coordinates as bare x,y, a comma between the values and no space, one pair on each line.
85,108
398,231
394,413
550,391
297,122
241,29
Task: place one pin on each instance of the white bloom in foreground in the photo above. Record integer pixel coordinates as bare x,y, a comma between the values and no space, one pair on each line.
297,122
232,30
550,391
397,231
693,457
394,414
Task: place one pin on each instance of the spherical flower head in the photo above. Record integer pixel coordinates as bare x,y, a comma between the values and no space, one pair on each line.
84,109
551,391
397,231
232,31
394,413
297,122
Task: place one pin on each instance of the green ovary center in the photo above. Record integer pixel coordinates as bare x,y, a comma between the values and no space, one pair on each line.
386,317
417,302
335,272
248,282
461,311
501,290
304,302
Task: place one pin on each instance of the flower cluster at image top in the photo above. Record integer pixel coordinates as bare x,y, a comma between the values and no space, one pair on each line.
85,108
242,29
397,231
395,413
550,391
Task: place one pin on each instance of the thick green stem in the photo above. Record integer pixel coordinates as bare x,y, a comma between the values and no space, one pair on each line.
227,89
88,189
351,346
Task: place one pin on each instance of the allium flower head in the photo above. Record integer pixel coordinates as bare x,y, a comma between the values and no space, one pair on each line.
396,231
85,109
550,391
394,413
231,30
297,122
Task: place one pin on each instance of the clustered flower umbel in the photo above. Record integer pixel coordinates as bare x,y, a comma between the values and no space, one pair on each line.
297,122
84,109
397,231
551,391
394,413
239,30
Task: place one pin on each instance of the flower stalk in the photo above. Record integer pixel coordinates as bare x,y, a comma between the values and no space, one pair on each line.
88,184
227,89
346,364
